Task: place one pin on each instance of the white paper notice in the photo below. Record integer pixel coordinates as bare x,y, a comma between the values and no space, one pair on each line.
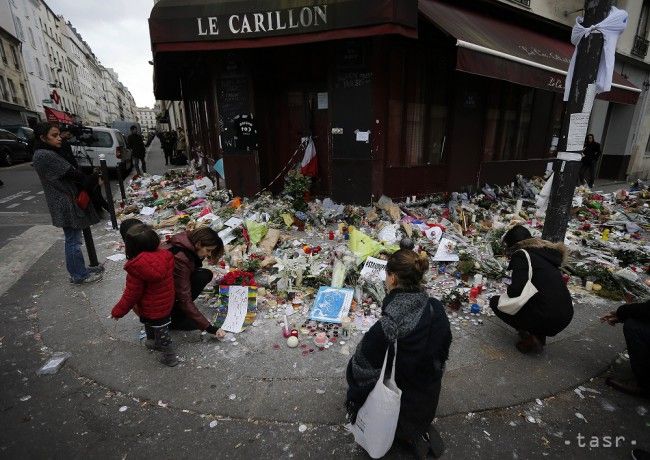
227,235
589,98
578,125
233,222
445,251
322,101
237,309
147,211
374,269
363,136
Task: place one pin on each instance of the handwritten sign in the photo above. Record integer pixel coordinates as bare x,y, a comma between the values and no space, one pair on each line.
237,309
374,269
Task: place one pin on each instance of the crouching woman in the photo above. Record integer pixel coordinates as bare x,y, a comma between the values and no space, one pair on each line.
420,326
550,310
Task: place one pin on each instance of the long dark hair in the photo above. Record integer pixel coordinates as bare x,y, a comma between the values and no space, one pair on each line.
43,129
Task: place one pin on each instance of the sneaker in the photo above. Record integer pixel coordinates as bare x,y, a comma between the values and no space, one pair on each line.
89,279
98,269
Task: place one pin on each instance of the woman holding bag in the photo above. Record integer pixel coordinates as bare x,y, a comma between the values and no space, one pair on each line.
419,326
547,308
66,193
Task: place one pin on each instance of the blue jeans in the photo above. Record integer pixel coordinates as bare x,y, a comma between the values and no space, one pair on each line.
74,258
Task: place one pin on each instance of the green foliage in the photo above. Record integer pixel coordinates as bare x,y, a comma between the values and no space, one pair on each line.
295,186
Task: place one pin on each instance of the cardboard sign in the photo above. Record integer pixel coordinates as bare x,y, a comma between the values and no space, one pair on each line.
238,302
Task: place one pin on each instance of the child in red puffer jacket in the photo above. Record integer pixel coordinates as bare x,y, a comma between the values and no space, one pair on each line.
149,288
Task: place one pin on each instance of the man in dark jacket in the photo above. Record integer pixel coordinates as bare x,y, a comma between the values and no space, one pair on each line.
590,155
138,150
636,328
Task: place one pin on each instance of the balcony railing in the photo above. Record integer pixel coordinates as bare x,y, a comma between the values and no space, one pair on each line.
640,47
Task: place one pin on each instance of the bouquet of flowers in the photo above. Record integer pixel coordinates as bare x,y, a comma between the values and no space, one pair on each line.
455,298
238,278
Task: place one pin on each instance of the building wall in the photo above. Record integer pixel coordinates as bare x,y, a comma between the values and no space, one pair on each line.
25,16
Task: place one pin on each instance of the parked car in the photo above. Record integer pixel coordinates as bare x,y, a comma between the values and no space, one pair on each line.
98,140
13,149
23,133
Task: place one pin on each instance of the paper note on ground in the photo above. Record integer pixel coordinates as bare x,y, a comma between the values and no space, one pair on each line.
374,269
233,222
117,257
147,211
446,252
237,309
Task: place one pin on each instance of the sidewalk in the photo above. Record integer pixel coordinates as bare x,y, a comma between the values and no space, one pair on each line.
272,382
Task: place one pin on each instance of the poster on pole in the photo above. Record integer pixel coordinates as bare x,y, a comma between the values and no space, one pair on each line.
578,125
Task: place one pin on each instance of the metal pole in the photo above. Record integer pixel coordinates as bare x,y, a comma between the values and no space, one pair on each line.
108,191
120,180
566,167
90,247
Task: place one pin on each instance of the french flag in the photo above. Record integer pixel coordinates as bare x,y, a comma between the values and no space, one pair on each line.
309,163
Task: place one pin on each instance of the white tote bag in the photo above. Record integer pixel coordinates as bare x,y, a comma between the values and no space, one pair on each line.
511,305
374,429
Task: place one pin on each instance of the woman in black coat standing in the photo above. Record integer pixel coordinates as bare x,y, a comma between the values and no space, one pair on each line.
420,326
548,312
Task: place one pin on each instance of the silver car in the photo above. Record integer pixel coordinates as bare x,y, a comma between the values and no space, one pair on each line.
107,141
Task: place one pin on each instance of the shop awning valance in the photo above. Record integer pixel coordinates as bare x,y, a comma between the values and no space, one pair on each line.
495,48
198,25
56,116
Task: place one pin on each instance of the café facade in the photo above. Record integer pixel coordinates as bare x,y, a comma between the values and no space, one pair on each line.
401,97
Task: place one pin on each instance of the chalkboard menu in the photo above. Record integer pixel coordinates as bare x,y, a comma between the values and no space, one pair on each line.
233,98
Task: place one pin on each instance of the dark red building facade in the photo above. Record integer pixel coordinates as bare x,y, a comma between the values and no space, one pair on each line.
402,97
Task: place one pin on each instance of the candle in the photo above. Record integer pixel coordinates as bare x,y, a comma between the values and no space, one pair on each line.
589,285
520,202
286,327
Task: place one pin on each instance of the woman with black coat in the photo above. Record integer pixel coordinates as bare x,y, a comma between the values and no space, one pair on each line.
420,326
550,310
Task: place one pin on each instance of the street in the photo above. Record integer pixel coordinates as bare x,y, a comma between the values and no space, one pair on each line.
112,399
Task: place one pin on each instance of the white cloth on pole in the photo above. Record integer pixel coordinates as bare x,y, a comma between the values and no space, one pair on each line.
611,27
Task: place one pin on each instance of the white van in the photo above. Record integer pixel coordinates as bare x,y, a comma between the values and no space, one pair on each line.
107,141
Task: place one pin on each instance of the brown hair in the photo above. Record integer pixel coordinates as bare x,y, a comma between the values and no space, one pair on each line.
409,267
207,237
140,238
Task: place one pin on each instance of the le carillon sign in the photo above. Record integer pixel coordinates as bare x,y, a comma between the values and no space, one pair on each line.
205,20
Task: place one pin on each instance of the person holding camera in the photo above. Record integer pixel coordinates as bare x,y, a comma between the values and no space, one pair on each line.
66,193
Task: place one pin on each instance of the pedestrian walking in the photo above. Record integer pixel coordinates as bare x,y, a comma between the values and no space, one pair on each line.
149,289
636,329
138,150
189,249
550,310
420,326
590,155
66,193
180,154
168,145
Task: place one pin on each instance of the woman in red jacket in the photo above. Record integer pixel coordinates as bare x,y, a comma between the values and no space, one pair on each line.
149,288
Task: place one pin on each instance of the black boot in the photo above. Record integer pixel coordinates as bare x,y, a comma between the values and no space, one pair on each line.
150,343
163,340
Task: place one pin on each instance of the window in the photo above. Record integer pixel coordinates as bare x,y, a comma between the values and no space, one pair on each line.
39,69
14,54
19,30
3,54
31,36
3,89
507,122
12,90
23,91
417,108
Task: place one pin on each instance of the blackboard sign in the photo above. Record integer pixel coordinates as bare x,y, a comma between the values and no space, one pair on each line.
347,80
233,99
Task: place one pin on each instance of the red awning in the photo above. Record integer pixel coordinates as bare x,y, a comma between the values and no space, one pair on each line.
57,116
494,48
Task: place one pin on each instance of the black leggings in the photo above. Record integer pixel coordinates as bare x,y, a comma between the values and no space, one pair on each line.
199,279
